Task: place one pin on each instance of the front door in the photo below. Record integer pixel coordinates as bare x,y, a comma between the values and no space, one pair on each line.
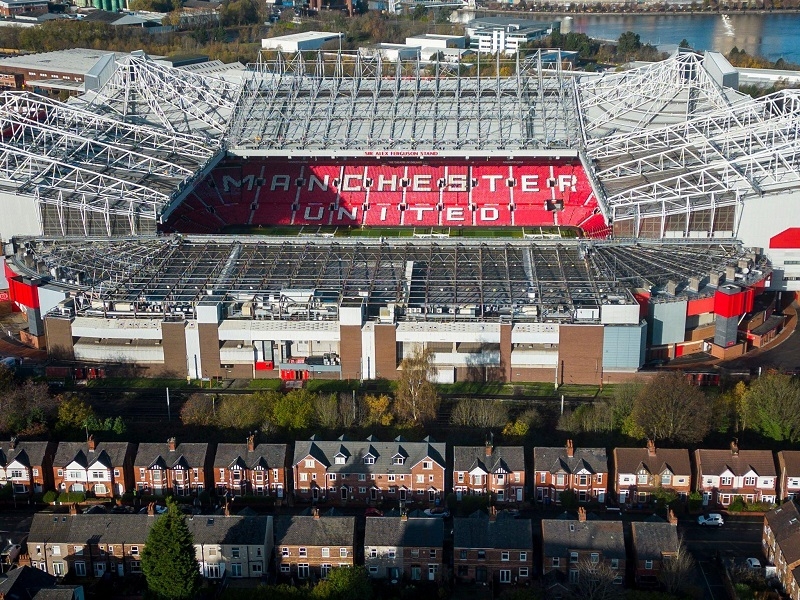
120,569
314,493
431,572
99,569
519,494
402,494
344,492
431,495
279,491
373,493
480,574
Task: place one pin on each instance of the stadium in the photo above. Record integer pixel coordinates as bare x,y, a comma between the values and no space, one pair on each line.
329,214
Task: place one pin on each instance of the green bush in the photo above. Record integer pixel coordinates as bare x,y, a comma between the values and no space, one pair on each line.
695,502
6,492
50,496
737,505
71,497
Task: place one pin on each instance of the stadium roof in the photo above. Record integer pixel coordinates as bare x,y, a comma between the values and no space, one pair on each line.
495,279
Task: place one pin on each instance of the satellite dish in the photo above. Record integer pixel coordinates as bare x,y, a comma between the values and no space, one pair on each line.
745,271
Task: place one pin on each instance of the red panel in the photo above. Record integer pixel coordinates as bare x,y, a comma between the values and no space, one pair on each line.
264,365
23,293
643,299
733,305
679,350
700,306
788,238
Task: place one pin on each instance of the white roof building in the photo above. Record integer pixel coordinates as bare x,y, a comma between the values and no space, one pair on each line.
299,42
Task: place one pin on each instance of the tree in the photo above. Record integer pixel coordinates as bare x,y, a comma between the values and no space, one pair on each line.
677,570
168,559
294,410
74,413
344,583
628,43
596,582
684,43
326,409
198,409
472,412
671,408
378,409
416,400
774,401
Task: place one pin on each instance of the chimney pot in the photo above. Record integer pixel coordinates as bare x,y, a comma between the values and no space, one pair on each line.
73,508
673,520
570,449
251,443
735,447
315,513
13,443
151,509
91,443
651,448
404,515
492,513
172,444
581,514
227,510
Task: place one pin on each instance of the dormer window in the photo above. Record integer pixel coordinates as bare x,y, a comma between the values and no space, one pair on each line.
398,460
369,459
666,478
339,459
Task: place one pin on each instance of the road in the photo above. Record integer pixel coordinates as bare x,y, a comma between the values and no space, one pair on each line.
739,538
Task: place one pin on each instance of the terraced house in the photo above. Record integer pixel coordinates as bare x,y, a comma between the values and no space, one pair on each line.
105,469
179,469
311,545
642,471
490,469
583,471
369,471
27,466
722,475
250,468
780,540
398,548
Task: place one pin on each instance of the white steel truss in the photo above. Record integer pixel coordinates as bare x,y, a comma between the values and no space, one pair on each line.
178,100
352,102
75,163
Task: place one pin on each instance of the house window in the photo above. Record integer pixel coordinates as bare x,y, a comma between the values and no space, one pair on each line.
16,474
326,553
427,465
111,550
141,473
80,569
505,575
136,566
556,561
573,576
78,550
325,570
373,553
342,552
666,478
599,478
60,473
56,550
542,477
573,557
373,570
398,460
236,569
504,555
642,478
482,554
460,477
523,571
560,479
303,476
583,479
284,551
234,553
58,569
726,480
433,552
392,554
332,476
339,460
256,567
648,564
285,568
134,550
615,563
415,553
369,460
463,555
595,557
523,556
35,472
391,477
303,552
749,481
302,571
420,478
310,463
258,552
362,476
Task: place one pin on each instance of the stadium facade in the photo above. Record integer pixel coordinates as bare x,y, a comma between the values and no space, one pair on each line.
545,225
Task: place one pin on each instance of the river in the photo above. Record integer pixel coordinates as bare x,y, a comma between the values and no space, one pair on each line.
771,35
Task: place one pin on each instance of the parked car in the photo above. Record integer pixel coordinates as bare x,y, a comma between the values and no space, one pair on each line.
439,511
97,509
712,520
373,512
160,510
754,563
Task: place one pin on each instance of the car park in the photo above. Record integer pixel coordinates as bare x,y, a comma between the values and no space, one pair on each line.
711,520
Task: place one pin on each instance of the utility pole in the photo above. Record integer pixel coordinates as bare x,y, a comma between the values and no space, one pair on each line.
169,412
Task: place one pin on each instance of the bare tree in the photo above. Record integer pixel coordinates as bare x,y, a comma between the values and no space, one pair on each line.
416,400
479,413
596,581
676,569
326,409
671,408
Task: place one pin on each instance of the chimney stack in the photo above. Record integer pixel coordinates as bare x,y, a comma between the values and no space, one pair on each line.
570,449
581,514
73,508
90,442
651,448
735,447
673,520
492,513
251,442
227,511
172,444
151,509
404,515
315,513
489,444
13,443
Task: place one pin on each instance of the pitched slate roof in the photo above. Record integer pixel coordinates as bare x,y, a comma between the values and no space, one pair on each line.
24,582
308,531
132,529
393,531
652,540
784,521
383,453
267,456
108,454
791,460
505,458
189,455
559,537
478,531
630,460
714,462
30,454
594,460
